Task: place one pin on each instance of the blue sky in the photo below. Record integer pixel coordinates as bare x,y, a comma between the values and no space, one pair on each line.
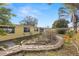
46,14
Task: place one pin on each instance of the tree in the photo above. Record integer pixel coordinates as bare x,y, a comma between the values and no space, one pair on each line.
5,16
73,7
61,23
29,20
3,4
62,12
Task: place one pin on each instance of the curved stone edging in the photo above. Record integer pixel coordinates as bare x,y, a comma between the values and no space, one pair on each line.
19,48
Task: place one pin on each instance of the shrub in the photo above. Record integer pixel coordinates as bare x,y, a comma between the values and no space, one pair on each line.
70,33
61,23
61,31
2,32
68,36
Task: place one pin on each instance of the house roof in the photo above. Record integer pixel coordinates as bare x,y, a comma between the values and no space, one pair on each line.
14,25
7,26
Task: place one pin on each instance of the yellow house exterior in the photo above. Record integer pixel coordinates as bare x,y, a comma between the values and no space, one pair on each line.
18,32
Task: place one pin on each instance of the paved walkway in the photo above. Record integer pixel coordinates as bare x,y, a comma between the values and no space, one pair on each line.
19,48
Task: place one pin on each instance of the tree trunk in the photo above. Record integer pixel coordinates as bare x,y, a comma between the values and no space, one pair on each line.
74,20
75,27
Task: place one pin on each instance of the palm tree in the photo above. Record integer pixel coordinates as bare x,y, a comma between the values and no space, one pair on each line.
73,7
5,16
62,13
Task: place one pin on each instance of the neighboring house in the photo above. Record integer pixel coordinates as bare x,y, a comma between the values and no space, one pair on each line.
17,31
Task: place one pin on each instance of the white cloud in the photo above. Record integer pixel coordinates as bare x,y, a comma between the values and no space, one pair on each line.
27,10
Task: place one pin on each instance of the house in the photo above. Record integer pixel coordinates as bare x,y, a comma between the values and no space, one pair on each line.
17,31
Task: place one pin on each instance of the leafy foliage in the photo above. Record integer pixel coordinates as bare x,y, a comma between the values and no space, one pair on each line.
71,7
5,16
63,13
29,20
70,33
2,32
61,23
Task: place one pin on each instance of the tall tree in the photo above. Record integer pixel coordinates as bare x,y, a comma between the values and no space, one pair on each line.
5,16
63,13
29,20
73,7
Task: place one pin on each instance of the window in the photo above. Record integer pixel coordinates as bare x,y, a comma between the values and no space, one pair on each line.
26,29
8,29
41,29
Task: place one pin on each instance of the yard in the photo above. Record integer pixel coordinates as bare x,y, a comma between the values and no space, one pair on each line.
66,50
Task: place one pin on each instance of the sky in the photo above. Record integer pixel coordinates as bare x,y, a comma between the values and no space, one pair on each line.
46,14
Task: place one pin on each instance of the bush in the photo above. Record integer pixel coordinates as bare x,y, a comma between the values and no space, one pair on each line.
70,33
69,36
2,32
61,23
61,31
